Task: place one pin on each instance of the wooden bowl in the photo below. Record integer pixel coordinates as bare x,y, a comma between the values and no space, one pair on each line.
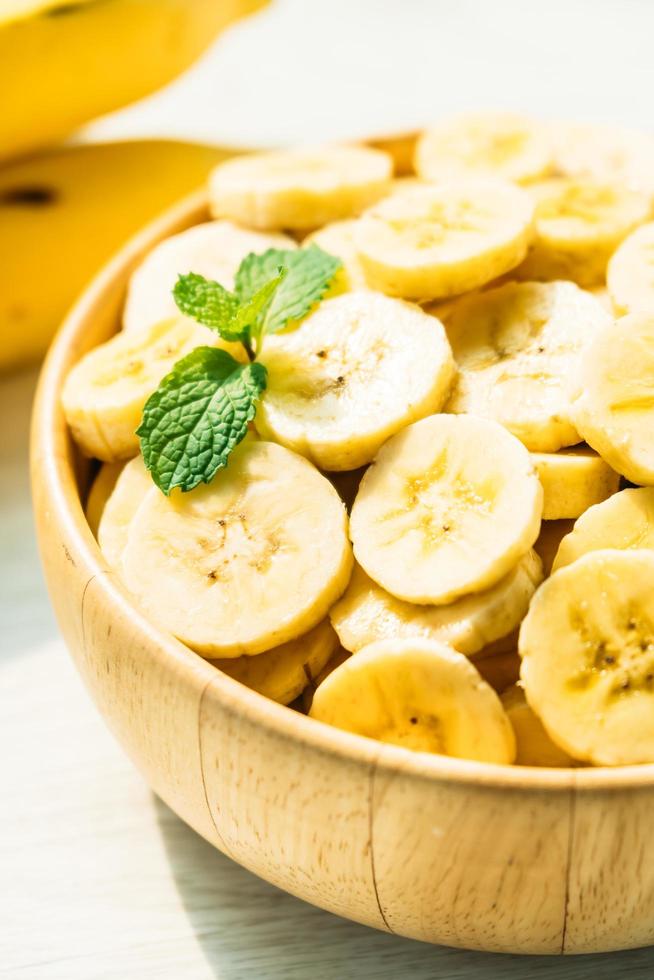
443,850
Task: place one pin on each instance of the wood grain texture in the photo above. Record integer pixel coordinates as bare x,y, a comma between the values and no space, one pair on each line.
443,850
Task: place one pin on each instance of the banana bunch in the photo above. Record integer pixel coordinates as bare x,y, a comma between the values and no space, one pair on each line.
422,538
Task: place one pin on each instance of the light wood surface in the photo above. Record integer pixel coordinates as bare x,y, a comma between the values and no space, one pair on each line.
483,857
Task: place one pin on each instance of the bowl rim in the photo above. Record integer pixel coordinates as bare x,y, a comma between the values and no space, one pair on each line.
53,469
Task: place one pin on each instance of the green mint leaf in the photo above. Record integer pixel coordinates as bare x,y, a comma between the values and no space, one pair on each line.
207,302
196,417
309,271
250,315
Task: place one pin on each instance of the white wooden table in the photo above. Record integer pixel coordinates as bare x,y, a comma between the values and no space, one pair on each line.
98,879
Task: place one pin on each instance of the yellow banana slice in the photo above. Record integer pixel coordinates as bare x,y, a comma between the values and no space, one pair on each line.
418,694
432,242
604,153
339,657
213,249
338,239
366,613
501,144
624,521
515,347
283,673
101,489
612,396
573,480
630,274
105,392
547,544
357,370
247,563
299,189
587,648
534,747
602,296
449,507
579,224
128,494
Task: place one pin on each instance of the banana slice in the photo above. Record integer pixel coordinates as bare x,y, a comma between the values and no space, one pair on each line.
587,648
101,489
612,396
579,224
418,694
624,521
129,492
432,242
621,156
630,274
338,239
573,480
357,370
299,189
449,507
213,249
283,673
335,661
499,668
247,563
549,540
603,296
501,144
534,747
515,347
366,613
105,392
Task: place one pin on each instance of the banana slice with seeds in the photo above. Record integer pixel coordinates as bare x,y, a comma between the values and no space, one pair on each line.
283,673
612,396
587,648
420,695
213,249
357,370
624,521
338,239
502,144
449,507
129,492
630,274
366,612
534,747
573,480
579,224
247,563
431,242
101,489
105,392
299,189
515,347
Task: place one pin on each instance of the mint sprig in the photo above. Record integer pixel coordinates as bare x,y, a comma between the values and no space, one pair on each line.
202,408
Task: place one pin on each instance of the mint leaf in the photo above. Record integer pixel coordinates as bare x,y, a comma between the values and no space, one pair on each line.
196,417
251,313
207,302
309,271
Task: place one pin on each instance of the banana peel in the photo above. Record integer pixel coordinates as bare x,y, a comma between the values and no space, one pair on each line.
64,213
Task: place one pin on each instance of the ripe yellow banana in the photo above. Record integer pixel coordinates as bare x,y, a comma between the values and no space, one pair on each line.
573,480
418,694
449,507
63,62
249,562
587,648
624,521
299,189
337,239
604,153
80,204
129,491
611,396
282,674
357,370
430,242
515,347
630,274
534,747
500,144
366,613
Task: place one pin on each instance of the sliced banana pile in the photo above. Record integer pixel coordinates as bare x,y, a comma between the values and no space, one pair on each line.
425,537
